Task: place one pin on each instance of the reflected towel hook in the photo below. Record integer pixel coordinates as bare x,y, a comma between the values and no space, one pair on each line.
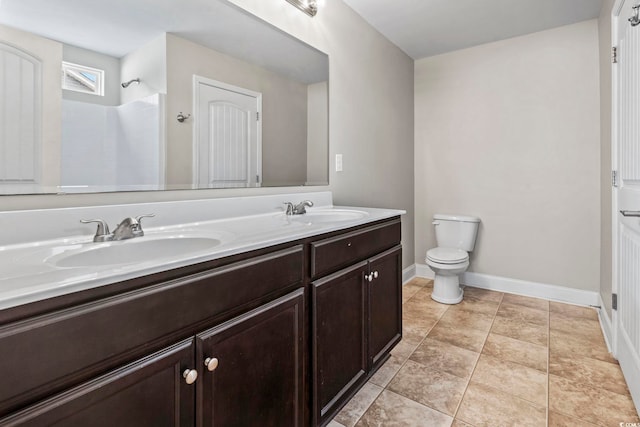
635,19
181,117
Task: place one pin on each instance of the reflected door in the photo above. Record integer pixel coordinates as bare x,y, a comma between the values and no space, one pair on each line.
20,115
227,146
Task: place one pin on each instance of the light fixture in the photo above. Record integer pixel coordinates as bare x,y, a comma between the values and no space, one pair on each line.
310,7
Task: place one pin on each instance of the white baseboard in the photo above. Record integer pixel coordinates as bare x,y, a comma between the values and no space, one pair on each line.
521,287
408,274
605,325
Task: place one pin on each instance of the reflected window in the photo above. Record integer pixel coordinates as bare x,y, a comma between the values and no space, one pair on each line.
79,78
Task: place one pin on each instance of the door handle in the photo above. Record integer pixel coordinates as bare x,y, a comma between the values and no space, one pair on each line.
630,213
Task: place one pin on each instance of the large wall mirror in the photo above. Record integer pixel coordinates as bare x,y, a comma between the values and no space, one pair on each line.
127,95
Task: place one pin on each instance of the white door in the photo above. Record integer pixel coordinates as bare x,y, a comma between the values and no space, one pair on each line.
227,135
20,121
626,155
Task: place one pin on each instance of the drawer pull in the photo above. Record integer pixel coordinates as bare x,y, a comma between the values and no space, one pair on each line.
211,363
349,244
190,376
375,274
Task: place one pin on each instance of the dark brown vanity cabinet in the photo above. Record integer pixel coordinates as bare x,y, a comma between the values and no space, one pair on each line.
253,368
280,336
357,315
152,392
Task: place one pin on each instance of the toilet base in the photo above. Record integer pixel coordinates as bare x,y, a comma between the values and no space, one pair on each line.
446,289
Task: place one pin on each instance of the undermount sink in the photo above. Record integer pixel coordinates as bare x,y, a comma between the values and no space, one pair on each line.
329,216
132,251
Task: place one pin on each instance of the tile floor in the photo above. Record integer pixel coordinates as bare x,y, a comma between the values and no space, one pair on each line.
493,360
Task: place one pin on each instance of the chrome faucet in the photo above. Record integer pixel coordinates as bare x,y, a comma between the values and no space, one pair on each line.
127,229
299,209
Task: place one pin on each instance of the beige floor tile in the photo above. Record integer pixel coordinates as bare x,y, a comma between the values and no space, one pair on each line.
445,357
410,341
334,423
470,303
423,308
471,339
574,310
537,303
418,317
409,290
483,294
386,372
419,327
513,350
520,330
458,423
560,420
435,389
567,344
514,379
596,406
391,409
358,405
421,281
461,318
487,407
588,371
577,326
524,314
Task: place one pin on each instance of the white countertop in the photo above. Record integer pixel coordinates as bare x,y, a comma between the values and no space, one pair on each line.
29,267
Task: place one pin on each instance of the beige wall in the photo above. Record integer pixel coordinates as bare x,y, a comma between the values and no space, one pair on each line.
371,106
604,33
509,131
284,109
371,118
149,64
317,133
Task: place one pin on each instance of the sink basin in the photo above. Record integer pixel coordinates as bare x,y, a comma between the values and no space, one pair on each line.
329,215
132,251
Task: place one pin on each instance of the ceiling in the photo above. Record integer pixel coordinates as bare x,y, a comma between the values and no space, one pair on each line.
425,28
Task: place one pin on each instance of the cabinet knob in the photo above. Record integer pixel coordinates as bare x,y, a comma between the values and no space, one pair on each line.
375,274
190,376
369,277
211,363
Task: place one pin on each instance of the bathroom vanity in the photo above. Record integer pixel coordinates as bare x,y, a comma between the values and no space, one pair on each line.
278,324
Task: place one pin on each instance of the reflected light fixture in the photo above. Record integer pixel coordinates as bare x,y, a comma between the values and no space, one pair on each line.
310,7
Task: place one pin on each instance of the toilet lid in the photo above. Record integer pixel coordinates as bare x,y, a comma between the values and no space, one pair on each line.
447,255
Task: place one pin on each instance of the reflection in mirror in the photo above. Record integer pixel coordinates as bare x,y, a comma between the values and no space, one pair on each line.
151,95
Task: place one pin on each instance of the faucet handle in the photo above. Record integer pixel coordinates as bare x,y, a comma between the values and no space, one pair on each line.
137,225
289,208
102,233
139,217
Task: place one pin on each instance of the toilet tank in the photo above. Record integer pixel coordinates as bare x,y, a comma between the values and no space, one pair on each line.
456,231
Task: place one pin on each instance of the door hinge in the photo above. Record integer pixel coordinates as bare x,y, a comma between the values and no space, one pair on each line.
614,301
614,54
614,178
258,116
258,179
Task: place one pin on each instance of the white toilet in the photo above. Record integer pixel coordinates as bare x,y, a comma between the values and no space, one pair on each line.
456,237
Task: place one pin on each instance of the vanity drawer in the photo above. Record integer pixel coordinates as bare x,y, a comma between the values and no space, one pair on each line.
51,352
333,253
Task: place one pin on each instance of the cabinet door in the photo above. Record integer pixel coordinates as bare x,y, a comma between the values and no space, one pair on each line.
339,352
385,304
149,392
257,378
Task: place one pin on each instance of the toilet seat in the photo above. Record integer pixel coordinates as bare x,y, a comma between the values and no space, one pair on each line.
447,255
